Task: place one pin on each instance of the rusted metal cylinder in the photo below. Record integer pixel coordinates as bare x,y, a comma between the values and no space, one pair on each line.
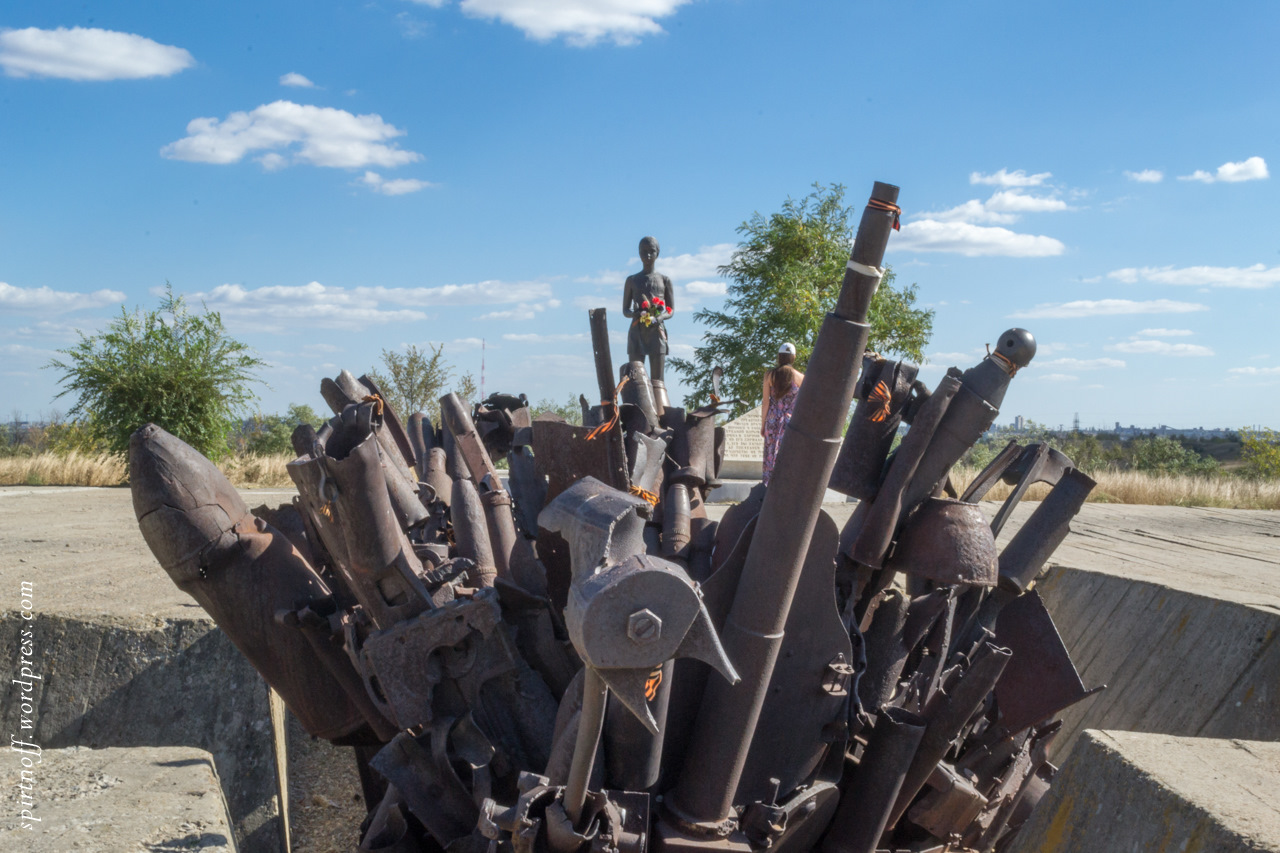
948,717
882,516
638,392
471,531
239,569
882,389
864,807
1043,532
421,438
595,696
753,631
886,654
633,755
599,322
675,522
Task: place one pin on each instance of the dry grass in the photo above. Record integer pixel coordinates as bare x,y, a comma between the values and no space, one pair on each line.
73,469
1137,487
78,469
1121,487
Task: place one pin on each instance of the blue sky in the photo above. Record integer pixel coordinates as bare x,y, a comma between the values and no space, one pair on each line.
340,177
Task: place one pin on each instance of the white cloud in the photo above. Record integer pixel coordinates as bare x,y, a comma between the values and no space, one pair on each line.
956,357
397,186
1163,333
1084,363
929,235
1146,176
1060,377
701,264
523,311
277,307
707,288
1255,277
54,301
1256,371
81,53
580,22
972,210
434,4
293,78
535,338
1105,308
324,136
1253,169
1012,201
1004,178
1150,347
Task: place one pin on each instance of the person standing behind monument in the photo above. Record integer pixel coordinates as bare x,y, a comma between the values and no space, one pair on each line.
648,300
781,385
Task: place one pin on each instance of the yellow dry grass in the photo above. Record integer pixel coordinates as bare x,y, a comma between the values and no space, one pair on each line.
71,469
252,471
78,469
1137,487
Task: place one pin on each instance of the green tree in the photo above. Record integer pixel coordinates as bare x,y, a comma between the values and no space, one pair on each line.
570,409
1260,453
179,370
1159,454
416,379
271,435
783,279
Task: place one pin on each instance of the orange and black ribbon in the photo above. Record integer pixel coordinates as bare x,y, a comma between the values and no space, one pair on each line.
880,396
877,204
609,424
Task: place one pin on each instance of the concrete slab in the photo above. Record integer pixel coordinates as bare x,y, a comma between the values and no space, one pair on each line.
1121,791
116,800
1177,610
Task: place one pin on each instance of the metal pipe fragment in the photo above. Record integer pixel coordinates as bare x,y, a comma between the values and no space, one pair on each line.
947,718
864,807
595,696
753,631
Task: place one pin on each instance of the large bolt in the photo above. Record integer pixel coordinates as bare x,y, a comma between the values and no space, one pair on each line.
644,626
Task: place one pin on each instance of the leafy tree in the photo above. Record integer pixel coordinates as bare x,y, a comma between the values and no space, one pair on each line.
416,379
1160,454
169,367
784,278
570,409
1260,453
270,435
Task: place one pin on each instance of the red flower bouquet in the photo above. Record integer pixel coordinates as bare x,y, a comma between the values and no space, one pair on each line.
652,312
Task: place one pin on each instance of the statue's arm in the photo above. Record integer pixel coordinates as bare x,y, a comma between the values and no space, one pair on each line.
668,294
626,300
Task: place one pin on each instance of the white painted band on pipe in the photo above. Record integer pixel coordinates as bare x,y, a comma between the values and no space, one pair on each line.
874,272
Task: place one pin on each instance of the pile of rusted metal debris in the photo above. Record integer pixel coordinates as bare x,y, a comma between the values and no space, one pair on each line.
575,658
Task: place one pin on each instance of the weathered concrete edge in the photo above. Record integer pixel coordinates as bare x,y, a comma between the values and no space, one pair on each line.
113,681
1104,802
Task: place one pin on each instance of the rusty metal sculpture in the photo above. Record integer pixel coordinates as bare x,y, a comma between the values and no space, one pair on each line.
513,659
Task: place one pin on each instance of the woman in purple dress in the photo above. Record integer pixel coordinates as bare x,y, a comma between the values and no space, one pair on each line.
780,387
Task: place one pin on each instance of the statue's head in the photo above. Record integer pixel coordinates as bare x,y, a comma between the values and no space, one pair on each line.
648,249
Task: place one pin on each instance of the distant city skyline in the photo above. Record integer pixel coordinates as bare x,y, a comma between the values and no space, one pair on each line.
344,177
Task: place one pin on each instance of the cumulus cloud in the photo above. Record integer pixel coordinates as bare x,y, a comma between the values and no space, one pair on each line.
701,264
1146,176
1256,371
535,338
1253,169
1162,333
1005,178
1105,308
1256,277
707,288
1084,363
320,136
965,238
276,306
579,22
1013,201
397,186
48,300
81,53
1151,347
293,78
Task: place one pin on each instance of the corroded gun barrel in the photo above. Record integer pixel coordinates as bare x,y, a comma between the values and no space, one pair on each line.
753,630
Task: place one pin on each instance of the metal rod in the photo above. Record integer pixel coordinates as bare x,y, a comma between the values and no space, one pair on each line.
595,696
753,631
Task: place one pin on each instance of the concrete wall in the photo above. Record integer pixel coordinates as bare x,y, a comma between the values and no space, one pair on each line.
141,681
1121,792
